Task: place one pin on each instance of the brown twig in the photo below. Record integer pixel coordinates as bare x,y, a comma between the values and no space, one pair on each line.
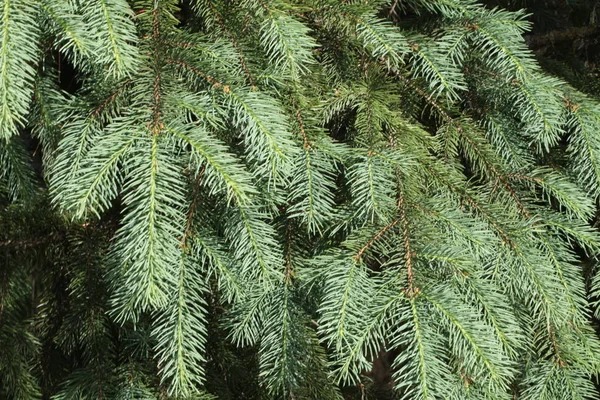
376,237
196,71
305,141
190,216
109,99
235,43
411,290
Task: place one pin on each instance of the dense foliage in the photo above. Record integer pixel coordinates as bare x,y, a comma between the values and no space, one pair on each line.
299,199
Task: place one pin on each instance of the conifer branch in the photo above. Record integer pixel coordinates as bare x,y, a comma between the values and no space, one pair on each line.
301,196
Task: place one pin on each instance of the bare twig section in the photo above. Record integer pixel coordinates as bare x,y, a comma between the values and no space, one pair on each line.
190,217
411,289
393,9
289,268
305,142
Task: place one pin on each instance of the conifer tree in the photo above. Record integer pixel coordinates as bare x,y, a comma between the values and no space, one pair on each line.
293,199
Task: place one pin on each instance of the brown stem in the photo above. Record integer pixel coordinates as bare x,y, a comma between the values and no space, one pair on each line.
477,206
110,98
501,177
427,98
411,290
235,43
289,269
383,230
156,125
190,216
305,141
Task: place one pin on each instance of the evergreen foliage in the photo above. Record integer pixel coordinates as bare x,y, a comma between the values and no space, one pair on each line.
309,199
